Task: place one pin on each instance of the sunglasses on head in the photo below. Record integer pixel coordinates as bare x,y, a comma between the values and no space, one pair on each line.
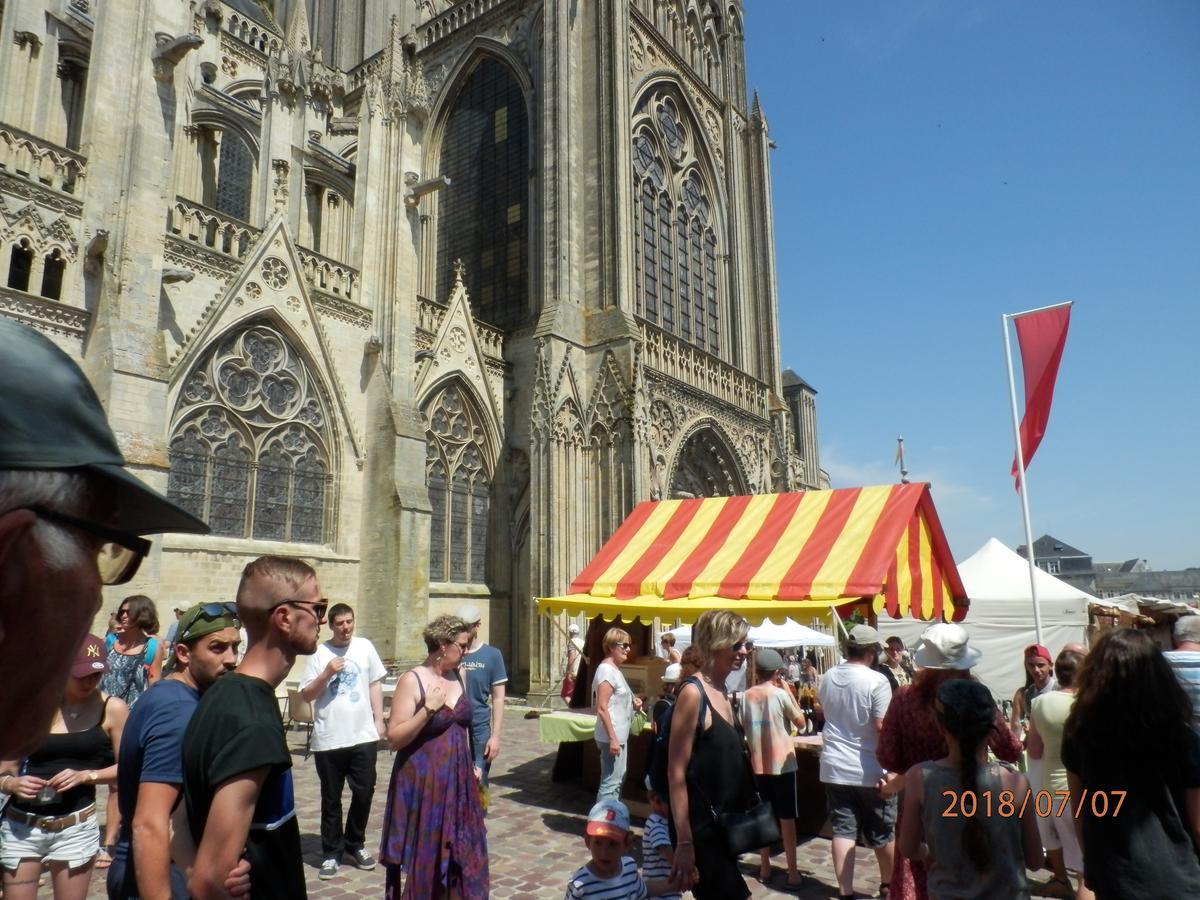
119,556
209,612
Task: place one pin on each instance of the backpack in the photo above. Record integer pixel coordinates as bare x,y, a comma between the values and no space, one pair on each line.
656,756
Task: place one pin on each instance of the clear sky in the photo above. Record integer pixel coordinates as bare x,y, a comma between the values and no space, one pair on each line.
940,163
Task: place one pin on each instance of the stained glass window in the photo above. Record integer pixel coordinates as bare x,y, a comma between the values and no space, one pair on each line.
250,443
675,244
459,489
483,216
234,173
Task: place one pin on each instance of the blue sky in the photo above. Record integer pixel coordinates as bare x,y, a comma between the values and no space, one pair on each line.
940,163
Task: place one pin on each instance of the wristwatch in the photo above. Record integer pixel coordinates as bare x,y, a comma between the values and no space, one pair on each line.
91,776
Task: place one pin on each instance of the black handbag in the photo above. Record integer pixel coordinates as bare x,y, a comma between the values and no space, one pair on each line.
753,829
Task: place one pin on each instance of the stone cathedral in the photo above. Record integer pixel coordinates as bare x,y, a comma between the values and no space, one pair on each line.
430,293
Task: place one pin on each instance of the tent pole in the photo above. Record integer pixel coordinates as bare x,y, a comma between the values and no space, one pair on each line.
1012,397
841,626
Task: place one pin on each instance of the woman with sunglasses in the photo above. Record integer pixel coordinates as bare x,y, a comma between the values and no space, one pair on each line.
51,816
135,659
614,702
707,767
434,843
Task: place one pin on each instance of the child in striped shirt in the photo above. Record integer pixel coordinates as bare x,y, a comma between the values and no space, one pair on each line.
657,853
611,874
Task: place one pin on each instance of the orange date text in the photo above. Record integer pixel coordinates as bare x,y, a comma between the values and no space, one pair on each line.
1044,804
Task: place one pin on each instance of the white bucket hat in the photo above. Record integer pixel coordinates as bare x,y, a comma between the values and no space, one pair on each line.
946,646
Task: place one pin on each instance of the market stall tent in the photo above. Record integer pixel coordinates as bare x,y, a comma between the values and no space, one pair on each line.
771,555
1000,620
768,634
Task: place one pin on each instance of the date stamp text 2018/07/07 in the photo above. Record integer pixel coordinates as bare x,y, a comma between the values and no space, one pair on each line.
1044,804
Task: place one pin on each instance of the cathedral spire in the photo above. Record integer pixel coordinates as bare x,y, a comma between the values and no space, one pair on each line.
299,35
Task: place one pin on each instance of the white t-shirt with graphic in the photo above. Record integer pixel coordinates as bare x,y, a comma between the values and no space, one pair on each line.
343,710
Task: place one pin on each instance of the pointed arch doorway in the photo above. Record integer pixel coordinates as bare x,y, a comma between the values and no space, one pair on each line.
707,467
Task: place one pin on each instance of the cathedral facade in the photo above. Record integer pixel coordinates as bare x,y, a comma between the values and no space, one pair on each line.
429,293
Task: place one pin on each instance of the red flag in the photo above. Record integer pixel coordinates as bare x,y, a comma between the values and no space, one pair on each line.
1042,336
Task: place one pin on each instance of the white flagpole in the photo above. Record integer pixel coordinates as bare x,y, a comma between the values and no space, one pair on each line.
1012,397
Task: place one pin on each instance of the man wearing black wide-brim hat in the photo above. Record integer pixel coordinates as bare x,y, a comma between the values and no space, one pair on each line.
71,516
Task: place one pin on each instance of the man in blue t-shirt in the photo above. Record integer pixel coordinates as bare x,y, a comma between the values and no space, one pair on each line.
483,666
150,767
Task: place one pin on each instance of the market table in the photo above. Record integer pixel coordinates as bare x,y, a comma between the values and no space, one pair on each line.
578,757
812,813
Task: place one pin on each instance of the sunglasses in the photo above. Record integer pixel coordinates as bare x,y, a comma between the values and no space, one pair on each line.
742,645
119,556
625,646
317,609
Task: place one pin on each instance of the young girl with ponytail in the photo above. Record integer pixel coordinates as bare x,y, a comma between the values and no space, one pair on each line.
968,818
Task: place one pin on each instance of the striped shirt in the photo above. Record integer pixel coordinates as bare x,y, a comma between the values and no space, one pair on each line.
1186,665
654,865
627,885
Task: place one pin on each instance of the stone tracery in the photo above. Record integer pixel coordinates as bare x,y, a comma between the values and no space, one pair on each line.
250,446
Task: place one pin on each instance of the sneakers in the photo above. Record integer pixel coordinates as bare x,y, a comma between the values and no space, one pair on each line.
362,859
328,869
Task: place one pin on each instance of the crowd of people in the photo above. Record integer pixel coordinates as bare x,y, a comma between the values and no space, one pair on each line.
192,746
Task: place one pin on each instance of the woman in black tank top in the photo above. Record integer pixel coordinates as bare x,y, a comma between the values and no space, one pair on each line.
707,768
57,781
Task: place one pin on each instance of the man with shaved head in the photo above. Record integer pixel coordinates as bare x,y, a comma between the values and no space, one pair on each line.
237,770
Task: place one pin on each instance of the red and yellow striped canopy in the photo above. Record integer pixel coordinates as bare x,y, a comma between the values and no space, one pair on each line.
774,555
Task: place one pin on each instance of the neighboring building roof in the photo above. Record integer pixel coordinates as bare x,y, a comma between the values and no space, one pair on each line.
1049,546
252,10
791,379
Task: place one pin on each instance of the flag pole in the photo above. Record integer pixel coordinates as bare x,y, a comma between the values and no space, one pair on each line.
1012,398
900,459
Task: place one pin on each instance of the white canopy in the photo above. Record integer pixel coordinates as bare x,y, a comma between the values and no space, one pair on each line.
1000,620
768,634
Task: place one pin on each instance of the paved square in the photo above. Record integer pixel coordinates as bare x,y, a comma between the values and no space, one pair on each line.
535,829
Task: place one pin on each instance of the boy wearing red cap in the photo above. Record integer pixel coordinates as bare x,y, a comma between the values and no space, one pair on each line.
611,874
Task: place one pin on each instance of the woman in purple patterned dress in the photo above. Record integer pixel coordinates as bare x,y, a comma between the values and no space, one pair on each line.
434,844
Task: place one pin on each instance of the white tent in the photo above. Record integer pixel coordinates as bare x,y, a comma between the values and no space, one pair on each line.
1000,620
768,634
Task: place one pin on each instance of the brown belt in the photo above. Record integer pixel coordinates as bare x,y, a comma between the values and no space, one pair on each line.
51,824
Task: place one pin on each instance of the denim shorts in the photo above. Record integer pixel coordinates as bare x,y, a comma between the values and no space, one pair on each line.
854,809
76,845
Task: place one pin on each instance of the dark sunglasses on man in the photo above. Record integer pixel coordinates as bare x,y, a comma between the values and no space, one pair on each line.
119,556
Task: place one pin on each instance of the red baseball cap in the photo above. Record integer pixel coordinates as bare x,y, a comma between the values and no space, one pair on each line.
90,659
1038,650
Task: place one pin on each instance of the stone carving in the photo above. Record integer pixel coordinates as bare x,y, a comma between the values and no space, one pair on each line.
281,168
43,237
399,82
275,272
45,314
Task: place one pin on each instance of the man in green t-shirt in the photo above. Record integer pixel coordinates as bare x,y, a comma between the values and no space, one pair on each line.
236,765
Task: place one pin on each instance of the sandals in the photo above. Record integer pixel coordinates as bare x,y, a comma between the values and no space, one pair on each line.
103,858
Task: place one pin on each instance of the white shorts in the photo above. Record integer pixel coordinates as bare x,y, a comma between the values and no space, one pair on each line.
76,845
1058,833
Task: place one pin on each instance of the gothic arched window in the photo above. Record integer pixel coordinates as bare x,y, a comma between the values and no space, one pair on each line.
235,171
483,216
459,489
250,445
676,229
